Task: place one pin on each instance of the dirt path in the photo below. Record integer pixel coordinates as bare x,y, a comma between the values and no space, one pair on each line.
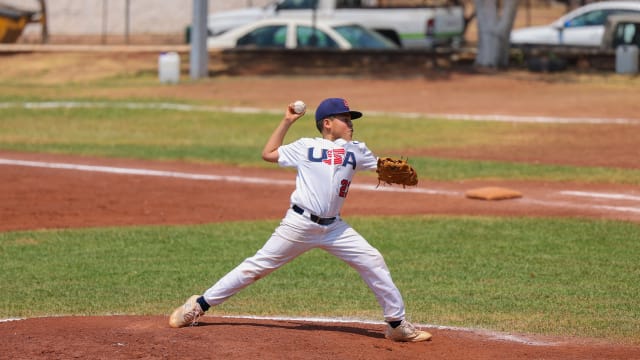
101,197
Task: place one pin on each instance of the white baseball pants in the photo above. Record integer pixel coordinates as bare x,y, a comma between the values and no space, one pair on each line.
297,234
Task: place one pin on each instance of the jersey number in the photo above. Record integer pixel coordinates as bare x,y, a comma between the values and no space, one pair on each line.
344,188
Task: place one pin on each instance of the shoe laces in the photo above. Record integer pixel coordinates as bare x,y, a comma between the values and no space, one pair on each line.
407,330
192,315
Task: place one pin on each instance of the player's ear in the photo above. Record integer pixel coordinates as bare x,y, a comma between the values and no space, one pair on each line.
326,122
322,125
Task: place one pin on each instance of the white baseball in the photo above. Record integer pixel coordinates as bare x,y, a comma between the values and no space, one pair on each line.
299,107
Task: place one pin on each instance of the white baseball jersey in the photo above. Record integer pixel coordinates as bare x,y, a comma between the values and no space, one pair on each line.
325,170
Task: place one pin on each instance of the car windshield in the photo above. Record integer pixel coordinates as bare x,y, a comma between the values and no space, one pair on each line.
361,38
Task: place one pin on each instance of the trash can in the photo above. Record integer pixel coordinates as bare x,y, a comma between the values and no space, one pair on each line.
169,67
627,59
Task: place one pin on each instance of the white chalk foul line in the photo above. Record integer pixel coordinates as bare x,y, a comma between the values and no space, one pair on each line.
144,172
267,181
612,196
526,119
252,110
194,176
564,204
10,319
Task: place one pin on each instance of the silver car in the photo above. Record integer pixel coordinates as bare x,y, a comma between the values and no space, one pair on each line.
583,26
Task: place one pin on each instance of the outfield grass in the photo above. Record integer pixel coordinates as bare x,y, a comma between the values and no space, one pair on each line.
220,137
546,276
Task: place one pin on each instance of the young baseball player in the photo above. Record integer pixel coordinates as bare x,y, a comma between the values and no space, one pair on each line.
325,168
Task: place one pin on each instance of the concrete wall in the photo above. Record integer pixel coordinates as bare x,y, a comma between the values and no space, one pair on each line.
100,17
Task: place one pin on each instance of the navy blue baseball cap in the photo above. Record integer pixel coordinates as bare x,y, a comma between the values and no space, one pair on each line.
335,106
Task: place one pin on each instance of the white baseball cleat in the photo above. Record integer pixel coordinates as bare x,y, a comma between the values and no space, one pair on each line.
406,332
186,314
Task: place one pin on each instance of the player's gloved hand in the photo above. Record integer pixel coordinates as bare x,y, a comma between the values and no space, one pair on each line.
396,171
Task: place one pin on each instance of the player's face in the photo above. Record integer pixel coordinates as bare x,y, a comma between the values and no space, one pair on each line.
342,126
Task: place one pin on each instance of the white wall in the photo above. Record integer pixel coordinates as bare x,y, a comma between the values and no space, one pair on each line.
87,17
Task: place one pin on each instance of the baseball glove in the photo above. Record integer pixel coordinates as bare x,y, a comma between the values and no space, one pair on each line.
396,171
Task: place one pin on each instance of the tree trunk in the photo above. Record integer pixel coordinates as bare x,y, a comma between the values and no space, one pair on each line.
494,28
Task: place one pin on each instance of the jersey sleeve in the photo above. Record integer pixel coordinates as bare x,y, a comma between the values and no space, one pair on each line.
369,160
291,154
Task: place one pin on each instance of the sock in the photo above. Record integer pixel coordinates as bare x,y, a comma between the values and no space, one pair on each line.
203,304
395,324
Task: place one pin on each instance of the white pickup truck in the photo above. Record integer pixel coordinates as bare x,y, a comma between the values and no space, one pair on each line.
408,23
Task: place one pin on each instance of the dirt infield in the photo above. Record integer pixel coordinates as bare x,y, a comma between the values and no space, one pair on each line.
73,198
77,198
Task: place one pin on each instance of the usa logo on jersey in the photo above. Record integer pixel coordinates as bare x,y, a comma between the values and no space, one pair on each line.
333,157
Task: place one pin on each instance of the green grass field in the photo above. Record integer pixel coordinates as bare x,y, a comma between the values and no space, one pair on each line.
238,139
546,276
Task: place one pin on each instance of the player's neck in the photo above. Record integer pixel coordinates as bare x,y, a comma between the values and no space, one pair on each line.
333,137
329,136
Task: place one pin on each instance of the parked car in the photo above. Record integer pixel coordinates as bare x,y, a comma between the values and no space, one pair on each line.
583,26
294,33
410,24
619,45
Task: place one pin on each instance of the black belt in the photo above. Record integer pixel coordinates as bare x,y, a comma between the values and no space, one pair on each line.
316,219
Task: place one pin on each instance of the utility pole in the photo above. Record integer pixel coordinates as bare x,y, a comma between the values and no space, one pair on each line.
199,67
126,21
105,18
